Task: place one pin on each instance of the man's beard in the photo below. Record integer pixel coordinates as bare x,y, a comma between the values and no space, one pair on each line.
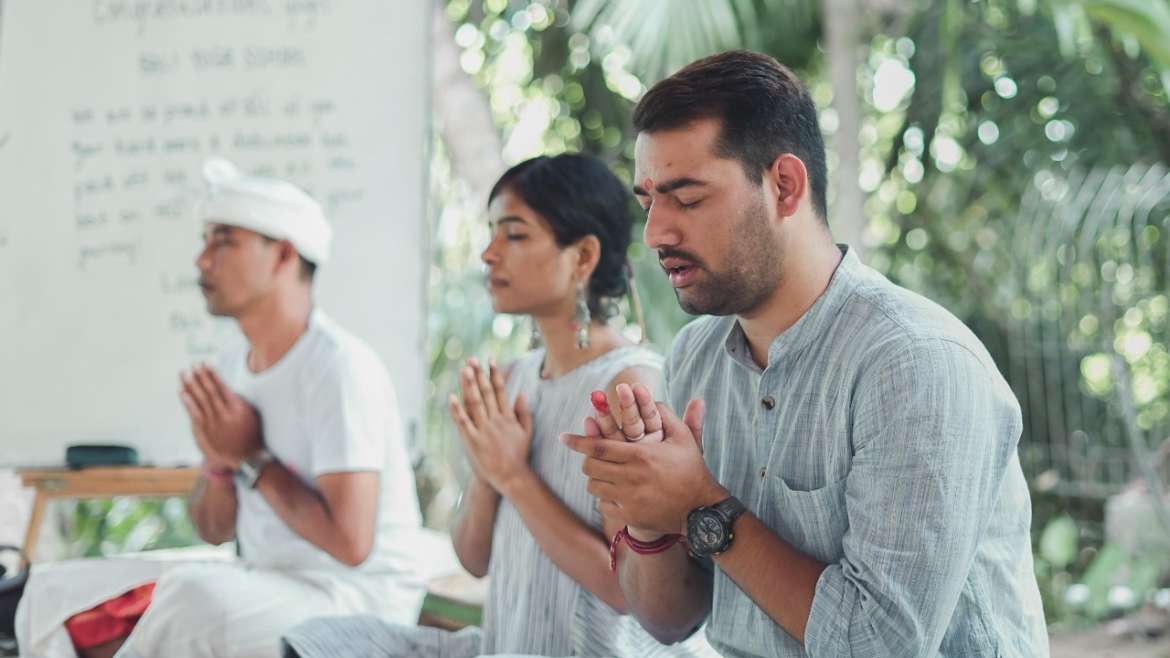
754,267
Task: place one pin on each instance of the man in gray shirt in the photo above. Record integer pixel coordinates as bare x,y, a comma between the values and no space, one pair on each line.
845,471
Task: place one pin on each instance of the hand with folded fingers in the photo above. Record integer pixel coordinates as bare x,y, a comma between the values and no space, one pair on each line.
636,419
496,436
650,486
227,427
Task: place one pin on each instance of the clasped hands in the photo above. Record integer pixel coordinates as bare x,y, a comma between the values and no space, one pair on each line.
496,436
226,427
645,464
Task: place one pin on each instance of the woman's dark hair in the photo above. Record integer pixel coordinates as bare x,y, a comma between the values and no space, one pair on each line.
578,195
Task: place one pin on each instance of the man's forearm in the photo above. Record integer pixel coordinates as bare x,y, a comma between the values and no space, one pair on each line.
306,512
668,593
778,578
212,507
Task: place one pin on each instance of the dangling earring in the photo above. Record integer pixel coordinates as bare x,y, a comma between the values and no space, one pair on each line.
534,339
636,302
610,309
581,318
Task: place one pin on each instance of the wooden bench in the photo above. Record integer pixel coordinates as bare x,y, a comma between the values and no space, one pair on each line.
98,482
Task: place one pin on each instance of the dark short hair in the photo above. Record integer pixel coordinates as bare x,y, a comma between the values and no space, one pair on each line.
579,196
764,110
308,267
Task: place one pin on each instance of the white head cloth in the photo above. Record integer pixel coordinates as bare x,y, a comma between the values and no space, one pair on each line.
271,207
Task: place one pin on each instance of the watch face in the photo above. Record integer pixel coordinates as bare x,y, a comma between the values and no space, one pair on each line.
706,532
245,474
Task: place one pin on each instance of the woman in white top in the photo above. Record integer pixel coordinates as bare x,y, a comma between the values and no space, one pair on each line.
560,230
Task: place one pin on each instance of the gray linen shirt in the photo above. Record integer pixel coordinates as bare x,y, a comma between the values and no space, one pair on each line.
881,440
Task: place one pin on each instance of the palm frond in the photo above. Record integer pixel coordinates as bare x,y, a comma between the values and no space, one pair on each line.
664,35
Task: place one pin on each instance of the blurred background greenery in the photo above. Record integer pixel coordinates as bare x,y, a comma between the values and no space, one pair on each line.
1003,157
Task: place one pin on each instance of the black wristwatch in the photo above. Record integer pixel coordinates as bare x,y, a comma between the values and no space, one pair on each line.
709,528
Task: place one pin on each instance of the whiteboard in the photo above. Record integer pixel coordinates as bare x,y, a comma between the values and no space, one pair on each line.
107,110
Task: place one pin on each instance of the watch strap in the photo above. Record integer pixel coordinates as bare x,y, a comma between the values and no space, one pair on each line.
730,509
727,510
250,468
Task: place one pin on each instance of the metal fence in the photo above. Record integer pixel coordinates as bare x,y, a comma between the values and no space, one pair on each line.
1083,328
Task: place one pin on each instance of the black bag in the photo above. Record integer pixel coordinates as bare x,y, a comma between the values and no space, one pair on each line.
11,589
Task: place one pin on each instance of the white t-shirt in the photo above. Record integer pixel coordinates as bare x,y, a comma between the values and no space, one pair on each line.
327,406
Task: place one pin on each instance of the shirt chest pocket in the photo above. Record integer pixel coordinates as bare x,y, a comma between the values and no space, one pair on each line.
812,521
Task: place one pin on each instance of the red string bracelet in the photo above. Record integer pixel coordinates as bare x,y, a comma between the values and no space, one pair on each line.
218,473
660,545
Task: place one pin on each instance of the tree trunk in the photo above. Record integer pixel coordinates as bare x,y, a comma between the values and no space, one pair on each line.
847,214
462,114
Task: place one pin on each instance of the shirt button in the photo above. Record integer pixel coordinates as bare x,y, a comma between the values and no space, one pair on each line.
769,402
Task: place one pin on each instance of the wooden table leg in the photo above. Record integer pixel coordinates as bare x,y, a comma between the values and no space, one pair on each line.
34,526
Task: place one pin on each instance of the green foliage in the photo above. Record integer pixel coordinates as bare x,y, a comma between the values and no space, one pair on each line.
1111,581
1058,543
96,528
663,39
551,88
1148,21
970,110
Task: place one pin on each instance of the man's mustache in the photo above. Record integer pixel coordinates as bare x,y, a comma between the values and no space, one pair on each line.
680,254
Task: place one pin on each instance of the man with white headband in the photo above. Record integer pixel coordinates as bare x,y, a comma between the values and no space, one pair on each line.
304,460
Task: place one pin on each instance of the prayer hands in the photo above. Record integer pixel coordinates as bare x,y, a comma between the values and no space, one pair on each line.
496,436
226,427
649,485
635,420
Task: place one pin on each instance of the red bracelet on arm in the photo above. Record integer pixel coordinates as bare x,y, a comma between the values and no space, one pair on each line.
660,545
220,474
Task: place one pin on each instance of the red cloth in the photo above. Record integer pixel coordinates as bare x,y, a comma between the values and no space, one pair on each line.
110,619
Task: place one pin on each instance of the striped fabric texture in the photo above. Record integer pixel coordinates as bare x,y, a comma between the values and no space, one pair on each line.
880,439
